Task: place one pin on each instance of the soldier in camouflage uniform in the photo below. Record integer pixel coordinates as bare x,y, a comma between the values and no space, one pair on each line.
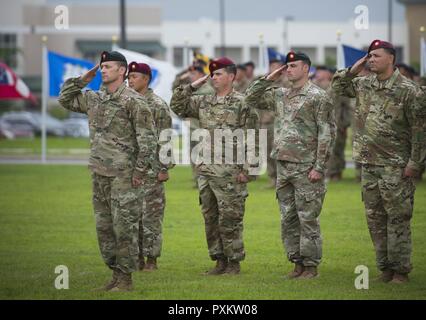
267,120
193,73
222,186
343,116
152,196
122,138
388,143
304,131
241,83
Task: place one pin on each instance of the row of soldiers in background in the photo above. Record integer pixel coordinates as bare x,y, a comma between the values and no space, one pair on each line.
128,192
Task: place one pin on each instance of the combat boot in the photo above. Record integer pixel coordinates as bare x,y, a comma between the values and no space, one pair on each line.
151,264
124,283
386,276
309,273
220,267
233,268
110,284
400,278
298,270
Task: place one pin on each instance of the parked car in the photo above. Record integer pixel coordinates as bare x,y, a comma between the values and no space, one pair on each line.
10,131
76,127
54,126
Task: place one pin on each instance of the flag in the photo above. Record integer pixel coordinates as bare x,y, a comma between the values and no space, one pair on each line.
347,56
62,68
273,55
422,57
201,57
12,87
163,73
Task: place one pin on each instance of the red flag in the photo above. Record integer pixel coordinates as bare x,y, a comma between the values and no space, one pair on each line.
12,87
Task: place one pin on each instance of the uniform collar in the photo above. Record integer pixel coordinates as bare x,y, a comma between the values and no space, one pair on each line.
387,84
225,98
302,91
149,92
116,94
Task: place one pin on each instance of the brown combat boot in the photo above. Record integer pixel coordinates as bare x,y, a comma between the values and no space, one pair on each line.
233,268
298,270
400,278
386,276
220,267
151,264
309,273
141,263
110,284
124,283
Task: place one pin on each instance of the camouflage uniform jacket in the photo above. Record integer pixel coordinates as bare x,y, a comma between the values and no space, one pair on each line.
388,119
122,133
304,121
162,119
213,112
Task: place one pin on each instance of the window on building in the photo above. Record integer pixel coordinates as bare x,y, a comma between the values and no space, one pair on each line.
8,49
233,53
178,55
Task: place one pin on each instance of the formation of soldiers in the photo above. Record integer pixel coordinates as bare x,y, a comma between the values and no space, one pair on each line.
306,124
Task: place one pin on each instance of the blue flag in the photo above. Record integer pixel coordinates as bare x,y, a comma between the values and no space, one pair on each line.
62,68
352,55
274,55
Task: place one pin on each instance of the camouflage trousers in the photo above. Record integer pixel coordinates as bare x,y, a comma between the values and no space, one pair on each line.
336,164
271,168
388,199
300,204
222,202
151,223
115,203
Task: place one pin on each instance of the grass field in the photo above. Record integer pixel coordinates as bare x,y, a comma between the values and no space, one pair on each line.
55,146
46,220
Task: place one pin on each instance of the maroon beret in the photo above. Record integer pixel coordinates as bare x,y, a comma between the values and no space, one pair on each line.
141,68
377,44
219,64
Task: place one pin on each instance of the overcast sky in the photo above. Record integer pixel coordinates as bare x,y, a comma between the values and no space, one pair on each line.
312,10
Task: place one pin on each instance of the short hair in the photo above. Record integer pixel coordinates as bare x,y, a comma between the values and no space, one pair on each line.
392,52
250,64
242,67
231,69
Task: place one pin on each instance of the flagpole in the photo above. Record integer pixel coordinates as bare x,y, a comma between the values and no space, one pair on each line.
262,58
186,53
422,52
114,45
340,63
44,97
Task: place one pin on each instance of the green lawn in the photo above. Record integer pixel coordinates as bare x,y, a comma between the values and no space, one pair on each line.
46,220
55,146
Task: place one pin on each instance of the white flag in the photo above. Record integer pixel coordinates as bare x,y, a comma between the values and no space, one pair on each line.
163,73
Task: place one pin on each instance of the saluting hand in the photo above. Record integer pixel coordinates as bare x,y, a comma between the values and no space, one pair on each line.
275,75
89,75
198,83
359,65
